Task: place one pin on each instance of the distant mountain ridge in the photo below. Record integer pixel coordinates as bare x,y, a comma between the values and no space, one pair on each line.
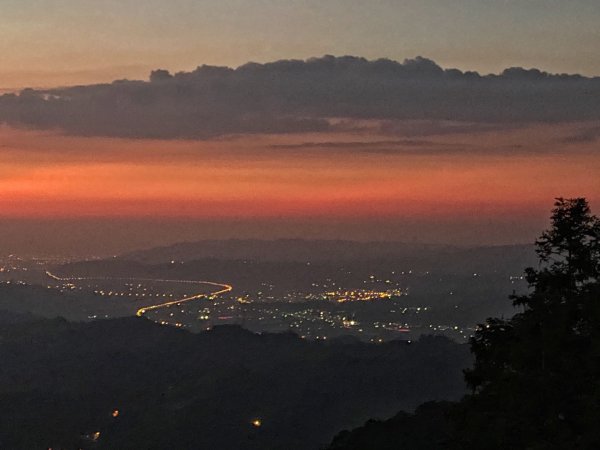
289,250
301,250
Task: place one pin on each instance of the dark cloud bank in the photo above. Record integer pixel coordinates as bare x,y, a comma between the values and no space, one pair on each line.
294,96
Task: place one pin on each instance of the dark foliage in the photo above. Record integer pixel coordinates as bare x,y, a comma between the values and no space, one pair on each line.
426,429
61,381
536,377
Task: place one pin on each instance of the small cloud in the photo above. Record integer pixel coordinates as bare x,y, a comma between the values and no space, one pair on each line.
399,146
587,135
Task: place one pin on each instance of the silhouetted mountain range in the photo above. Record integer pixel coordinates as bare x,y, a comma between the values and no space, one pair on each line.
173,389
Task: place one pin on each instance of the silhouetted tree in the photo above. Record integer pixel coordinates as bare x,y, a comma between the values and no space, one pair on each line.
536,377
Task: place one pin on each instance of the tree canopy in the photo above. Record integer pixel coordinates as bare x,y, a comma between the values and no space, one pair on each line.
536,376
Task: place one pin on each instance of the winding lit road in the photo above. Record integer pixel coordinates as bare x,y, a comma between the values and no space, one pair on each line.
140,312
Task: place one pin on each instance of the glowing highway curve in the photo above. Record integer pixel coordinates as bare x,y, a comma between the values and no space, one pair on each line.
140,312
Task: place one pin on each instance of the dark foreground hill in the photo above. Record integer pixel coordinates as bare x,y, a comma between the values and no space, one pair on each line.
427,429
61,382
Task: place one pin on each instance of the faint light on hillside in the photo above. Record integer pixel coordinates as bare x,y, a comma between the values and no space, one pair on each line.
257,423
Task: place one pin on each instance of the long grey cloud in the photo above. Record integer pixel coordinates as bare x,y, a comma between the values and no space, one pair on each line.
295,96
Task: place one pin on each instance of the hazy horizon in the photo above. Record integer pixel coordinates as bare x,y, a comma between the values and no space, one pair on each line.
90,237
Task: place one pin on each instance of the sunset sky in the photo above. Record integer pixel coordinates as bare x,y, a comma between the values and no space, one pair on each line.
327,148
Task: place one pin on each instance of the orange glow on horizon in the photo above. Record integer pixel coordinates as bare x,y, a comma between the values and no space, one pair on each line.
50,175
